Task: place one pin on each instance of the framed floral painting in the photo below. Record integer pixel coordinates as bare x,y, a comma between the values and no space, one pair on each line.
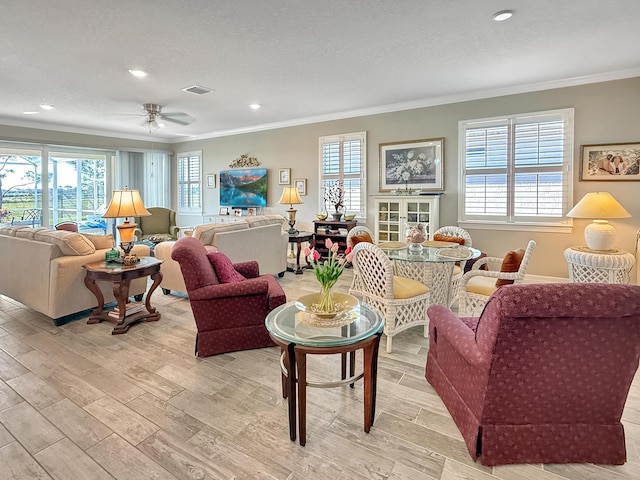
415,165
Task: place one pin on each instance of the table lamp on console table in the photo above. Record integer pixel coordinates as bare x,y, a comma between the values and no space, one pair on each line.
126,203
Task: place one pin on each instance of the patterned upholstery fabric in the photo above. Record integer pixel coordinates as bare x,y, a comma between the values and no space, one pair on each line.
229,317
161,221
545,375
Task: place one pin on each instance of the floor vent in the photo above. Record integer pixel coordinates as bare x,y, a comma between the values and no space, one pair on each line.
197,90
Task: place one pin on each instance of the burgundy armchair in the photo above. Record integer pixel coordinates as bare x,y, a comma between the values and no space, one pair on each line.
543,375
229,316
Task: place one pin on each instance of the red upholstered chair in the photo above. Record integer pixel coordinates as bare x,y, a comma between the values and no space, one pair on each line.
543,375
69,226
229,316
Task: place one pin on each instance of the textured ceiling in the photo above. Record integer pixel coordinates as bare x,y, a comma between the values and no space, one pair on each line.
303,60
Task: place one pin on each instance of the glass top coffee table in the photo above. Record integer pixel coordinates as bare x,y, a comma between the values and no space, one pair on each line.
298,335
432,266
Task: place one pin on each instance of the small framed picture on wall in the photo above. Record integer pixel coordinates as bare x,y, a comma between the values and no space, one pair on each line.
211,180
284,176
301,185
224,210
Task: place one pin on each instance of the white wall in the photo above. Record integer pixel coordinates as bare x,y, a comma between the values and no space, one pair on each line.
604,113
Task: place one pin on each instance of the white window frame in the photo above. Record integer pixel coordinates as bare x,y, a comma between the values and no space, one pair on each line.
192,206
560,224
341,176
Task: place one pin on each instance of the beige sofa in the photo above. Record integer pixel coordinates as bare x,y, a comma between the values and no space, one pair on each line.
262,238
42,269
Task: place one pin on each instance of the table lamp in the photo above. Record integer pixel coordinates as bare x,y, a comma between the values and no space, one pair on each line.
291,196
599,234
126,203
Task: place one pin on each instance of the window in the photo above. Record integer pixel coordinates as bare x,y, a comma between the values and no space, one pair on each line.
189,182
516,170
343,159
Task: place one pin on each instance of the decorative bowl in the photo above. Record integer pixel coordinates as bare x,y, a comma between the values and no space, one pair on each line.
343,302
321,216
348,218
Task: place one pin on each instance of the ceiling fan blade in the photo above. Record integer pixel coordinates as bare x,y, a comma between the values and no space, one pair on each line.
187,121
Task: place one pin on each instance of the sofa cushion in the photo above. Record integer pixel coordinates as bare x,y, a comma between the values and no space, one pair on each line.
28,232
224,268
262,220
205,233
510,263
70,243
100,242
11,231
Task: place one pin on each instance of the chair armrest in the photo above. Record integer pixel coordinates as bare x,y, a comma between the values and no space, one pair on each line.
447,324
253,286
485,260
250,269
489,274
173,230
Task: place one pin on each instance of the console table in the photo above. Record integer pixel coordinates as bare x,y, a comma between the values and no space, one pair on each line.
598,266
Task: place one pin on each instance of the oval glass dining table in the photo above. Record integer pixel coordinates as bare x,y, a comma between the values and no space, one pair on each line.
433,265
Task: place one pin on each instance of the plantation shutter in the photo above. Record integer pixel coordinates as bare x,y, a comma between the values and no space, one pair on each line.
189,182
517,170
343,160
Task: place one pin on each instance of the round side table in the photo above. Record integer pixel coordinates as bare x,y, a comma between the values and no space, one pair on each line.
597,266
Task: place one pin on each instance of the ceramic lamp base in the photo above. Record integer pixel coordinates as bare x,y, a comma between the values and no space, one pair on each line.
600,235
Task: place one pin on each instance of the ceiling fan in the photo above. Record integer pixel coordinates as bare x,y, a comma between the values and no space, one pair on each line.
155,117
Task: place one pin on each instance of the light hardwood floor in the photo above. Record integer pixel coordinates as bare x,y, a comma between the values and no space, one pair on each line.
79,403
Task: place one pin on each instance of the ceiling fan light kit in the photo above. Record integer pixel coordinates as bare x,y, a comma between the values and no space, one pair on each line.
154,113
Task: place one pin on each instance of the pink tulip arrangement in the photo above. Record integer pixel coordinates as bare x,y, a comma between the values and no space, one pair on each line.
329,271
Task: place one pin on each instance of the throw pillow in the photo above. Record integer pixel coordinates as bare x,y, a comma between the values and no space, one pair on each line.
438,237
100,241
361,237
224,268
510,263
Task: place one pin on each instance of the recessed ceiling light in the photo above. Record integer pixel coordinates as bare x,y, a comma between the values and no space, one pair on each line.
46,106
138,73
503,15
31,112
255,106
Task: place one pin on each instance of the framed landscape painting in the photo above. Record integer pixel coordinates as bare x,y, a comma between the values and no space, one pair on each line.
416,164
616,162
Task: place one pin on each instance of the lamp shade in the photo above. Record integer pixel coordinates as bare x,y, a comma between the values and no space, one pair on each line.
126,203
598,205
291,196
599,235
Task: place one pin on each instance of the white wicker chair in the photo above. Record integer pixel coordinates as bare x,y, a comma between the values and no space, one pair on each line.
477,285
357,230
458,270
379,289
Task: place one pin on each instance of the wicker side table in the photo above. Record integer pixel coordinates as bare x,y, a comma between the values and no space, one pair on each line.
597,266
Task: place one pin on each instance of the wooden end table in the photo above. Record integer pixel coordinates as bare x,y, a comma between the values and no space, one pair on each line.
297,340
120,276
298,238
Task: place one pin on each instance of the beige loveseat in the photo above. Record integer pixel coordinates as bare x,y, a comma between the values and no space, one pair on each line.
263,238
42,269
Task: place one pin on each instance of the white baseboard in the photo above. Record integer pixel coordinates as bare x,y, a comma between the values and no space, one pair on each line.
544,279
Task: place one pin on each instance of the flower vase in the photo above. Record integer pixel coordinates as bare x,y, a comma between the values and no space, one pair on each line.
337,215
326,300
